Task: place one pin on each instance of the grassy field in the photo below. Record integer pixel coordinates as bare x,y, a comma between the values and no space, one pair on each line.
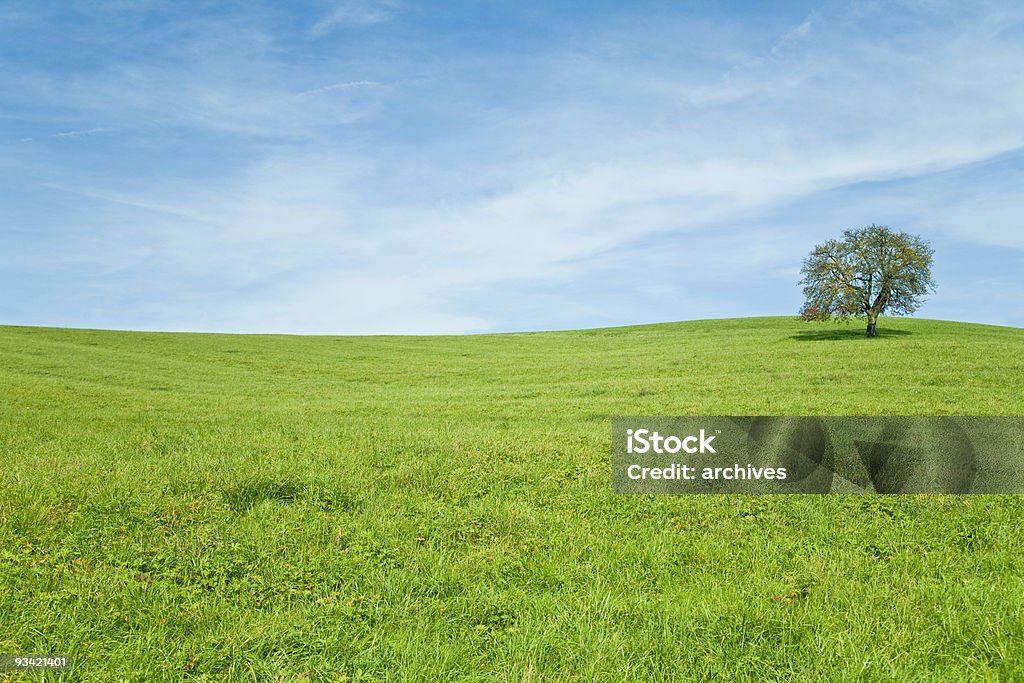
259,508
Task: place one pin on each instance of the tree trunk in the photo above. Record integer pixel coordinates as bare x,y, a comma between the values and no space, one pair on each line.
876,310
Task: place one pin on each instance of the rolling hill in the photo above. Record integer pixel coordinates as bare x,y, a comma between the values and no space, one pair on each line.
261,507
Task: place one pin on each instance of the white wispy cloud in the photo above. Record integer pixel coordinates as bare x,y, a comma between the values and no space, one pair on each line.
799,31
353,13
342,86
78,133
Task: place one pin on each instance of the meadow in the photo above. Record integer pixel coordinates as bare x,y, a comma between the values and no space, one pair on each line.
280,508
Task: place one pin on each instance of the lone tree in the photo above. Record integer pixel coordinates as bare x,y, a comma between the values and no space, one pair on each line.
867,272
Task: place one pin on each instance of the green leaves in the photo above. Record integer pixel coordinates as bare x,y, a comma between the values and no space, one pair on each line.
870,271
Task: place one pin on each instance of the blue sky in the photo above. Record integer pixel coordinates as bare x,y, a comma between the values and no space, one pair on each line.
388,166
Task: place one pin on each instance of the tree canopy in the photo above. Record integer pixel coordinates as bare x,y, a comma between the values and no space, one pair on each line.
869,271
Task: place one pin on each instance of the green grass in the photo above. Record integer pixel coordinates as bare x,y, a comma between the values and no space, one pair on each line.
218,507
